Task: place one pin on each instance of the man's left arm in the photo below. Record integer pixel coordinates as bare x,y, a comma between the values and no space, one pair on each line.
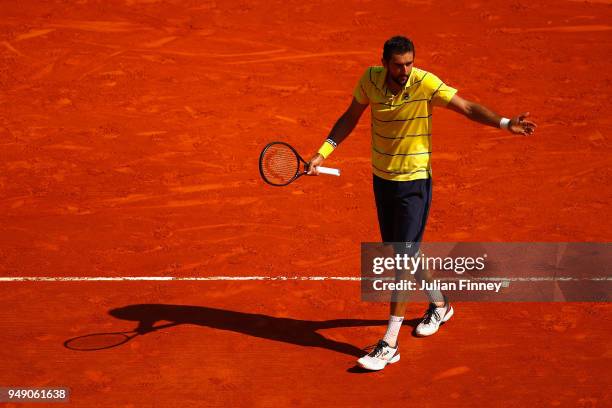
518,124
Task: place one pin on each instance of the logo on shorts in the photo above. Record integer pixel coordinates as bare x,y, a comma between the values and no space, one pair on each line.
406,97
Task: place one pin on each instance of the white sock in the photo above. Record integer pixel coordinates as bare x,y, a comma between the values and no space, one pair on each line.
395,324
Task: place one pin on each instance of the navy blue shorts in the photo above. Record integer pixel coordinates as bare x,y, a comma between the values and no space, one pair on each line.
403,207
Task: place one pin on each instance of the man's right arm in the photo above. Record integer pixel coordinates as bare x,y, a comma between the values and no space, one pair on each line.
343,127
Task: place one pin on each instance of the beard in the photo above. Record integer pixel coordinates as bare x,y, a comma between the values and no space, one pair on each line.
400,80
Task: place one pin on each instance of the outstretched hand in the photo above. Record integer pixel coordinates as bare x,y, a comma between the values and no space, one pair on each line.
520,125
316,160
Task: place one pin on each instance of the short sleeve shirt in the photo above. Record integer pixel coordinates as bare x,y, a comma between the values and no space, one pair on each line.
401,123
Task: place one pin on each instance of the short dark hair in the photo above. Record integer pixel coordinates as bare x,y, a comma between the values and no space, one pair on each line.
397,45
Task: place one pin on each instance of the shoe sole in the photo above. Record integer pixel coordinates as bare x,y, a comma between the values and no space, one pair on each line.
446,319
395,359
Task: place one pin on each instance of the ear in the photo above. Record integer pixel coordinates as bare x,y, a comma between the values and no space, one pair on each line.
384,63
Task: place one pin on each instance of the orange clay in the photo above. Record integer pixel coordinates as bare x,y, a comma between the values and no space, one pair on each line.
130,133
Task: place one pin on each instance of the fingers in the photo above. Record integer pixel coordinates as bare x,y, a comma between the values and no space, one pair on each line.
313,164
524,130
522,119
529,123
519,131
523,125
312,170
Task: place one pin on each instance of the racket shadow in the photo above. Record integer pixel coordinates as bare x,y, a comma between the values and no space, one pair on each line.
294,331
106,340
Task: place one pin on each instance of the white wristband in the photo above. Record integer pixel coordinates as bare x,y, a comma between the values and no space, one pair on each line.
504,123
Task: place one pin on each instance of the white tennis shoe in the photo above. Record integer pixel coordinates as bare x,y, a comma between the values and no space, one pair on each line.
433,318
382,355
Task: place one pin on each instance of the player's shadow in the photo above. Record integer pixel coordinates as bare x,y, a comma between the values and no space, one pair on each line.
294,331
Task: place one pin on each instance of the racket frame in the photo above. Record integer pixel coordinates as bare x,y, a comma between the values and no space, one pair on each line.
301,169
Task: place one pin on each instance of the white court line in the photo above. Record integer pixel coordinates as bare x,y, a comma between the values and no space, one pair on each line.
266,278
171,278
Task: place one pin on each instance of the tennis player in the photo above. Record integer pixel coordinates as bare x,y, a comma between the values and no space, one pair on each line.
402,100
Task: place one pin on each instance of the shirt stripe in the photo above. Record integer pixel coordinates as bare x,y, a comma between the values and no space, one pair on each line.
402,123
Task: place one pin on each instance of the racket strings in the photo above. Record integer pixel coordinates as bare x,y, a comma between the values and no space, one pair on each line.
279,164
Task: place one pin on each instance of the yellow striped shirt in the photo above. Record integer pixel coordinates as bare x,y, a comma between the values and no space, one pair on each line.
401,123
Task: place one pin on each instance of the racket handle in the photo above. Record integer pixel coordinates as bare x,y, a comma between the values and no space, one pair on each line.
329,171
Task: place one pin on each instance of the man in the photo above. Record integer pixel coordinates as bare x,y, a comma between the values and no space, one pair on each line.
402,98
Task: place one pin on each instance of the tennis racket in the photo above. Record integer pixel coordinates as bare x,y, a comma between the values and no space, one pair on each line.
280,164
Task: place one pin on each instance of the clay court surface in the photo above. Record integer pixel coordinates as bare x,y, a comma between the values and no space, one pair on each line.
130,133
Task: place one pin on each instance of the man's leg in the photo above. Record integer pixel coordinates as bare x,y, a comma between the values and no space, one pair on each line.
439,310
413,203
402,209
386,350
393,227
